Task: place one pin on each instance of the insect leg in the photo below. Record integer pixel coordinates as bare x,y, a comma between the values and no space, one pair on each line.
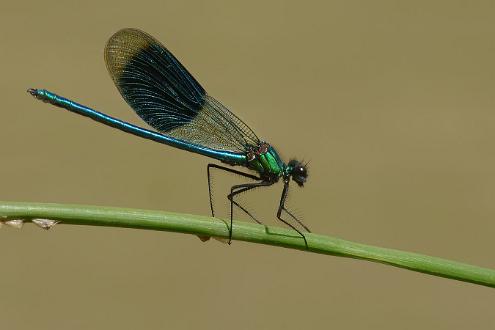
237,189
281,208
230,170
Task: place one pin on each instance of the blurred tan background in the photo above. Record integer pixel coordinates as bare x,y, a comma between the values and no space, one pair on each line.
392,103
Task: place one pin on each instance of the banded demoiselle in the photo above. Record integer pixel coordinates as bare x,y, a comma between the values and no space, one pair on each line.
168,98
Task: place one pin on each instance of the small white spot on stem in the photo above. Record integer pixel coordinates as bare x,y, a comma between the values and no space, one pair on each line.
15,223
45,223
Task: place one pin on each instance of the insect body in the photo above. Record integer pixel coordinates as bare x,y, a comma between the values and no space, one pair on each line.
168,98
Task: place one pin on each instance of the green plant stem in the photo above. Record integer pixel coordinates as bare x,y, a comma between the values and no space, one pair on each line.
242,231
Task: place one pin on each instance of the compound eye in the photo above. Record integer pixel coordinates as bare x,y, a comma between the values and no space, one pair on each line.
299,174
301,170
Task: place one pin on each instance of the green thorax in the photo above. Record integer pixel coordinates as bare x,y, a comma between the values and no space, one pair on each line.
266,161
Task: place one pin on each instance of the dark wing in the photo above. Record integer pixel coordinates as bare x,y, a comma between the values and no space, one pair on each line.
166,96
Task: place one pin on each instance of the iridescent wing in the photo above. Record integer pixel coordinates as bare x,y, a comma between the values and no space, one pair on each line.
167,97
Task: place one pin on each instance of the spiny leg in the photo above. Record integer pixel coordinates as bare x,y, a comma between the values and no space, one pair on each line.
296,219
281,208
240,189
243,188
210,193
229,197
